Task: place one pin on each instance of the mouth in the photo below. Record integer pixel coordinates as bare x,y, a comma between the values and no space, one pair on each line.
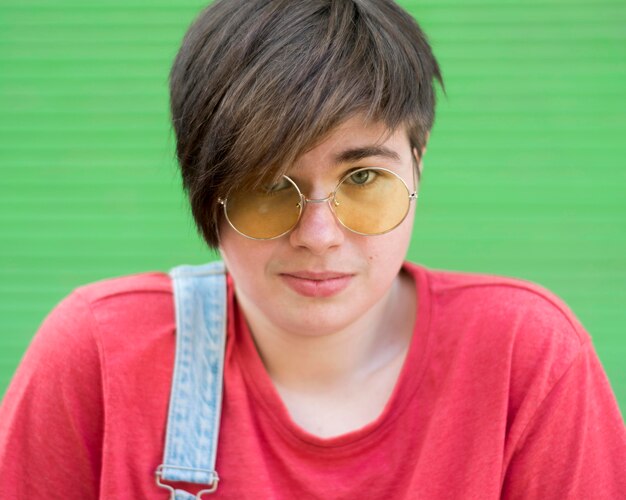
312,284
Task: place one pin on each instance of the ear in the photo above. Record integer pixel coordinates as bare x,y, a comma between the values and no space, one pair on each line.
425,143
418,156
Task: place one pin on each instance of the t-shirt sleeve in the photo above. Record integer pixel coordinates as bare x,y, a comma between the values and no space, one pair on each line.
574,446
51,419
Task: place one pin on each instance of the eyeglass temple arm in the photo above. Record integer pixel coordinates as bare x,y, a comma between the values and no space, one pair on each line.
416,177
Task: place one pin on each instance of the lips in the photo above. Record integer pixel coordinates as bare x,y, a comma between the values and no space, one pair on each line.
317,284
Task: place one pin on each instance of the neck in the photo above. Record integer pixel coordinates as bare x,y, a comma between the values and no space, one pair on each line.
317,363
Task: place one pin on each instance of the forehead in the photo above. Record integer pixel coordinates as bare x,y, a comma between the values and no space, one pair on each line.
355,140
354,143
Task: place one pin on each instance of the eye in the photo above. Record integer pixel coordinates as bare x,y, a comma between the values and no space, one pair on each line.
280,185
362,177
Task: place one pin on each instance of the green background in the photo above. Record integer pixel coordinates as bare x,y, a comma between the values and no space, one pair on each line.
524,174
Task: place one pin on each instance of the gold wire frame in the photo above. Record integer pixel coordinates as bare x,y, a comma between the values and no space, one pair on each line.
304,200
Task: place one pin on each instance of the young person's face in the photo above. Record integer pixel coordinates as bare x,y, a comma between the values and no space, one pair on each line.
321,277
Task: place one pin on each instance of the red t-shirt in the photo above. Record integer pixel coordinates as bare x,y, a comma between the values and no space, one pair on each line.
501,396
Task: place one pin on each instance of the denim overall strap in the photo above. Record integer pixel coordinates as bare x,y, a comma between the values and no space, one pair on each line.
196,394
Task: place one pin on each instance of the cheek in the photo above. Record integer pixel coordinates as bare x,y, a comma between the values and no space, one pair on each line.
246,260
236,253
392,246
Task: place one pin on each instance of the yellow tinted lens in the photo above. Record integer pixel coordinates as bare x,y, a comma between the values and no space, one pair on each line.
264,213
371,201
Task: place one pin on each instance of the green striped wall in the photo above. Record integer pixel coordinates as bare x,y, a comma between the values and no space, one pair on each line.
524,174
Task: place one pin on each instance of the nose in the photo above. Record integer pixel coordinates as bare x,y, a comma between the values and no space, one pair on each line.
318,230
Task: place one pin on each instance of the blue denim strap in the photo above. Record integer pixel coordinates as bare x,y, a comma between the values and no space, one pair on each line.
196,394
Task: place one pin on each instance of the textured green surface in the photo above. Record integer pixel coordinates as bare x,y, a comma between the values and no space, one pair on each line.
524,174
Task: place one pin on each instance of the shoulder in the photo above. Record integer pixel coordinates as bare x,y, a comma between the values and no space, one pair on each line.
125,288
68,378
514,338
98,314
127,299
126,316
511,327
502,302
103,332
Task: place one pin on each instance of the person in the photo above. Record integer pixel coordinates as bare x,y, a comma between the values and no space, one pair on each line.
301,129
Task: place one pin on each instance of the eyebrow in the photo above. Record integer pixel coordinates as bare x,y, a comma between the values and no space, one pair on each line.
356,154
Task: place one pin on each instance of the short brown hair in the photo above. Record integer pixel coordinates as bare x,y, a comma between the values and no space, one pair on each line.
256,83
